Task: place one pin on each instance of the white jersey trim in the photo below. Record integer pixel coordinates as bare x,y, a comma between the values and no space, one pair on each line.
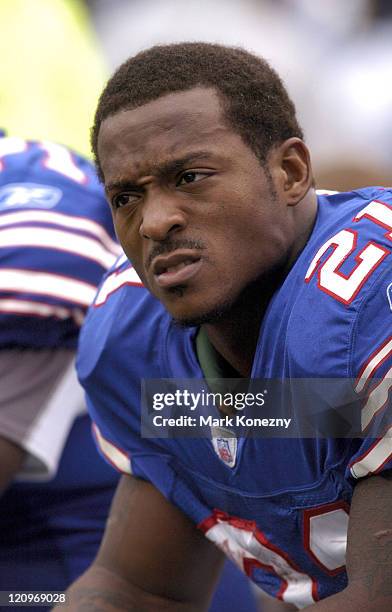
374,459
45,284
375,361
241,545
114,455
326,192
45,238
34,308
63,220
377,400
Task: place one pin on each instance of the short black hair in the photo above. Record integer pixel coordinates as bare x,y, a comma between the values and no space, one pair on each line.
254,99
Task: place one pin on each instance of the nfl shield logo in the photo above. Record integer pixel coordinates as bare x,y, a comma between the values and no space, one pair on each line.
225,447
224,451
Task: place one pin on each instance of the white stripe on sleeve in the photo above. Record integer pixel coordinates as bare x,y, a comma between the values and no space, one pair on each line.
60,219
68,242
117,457
43,283
374,458
375,361
377,399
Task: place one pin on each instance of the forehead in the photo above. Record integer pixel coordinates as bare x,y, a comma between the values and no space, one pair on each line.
165,127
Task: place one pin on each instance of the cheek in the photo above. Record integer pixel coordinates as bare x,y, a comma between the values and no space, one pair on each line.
120,233
126,234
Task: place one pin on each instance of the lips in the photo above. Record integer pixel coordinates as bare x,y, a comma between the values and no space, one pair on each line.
176,268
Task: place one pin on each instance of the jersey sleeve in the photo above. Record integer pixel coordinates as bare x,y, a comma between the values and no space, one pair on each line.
372,372
56,241
119,346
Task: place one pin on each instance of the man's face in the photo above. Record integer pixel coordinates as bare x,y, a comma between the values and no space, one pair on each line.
194,210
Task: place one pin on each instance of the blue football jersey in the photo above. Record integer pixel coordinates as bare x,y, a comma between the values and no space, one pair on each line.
56,241
278,507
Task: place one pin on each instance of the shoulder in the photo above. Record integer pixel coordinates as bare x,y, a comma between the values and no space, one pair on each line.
46,176
340,282
124,319
121,343
56,240
350,248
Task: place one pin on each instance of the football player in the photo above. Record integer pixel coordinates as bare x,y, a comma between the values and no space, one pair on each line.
56,241
251,274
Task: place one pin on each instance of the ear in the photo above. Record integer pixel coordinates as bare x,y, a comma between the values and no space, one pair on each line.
294,170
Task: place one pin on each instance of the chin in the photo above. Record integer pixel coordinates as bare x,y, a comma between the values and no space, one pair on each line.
195,318
196,307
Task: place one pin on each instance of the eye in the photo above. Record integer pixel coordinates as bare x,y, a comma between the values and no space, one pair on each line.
122,199
190,176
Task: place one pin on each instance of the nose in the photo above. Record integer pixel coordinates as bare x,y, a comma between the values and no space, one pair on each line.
161,216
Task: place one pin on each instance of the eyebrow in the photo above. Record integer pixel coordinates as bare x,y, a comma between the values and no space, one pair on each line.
169,167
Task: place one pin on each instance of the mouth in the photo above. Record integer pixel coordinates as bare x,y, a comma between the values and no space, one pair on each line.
176,269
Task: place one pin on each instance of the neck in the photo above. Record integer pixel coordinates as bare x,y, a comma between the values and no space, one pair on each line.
235,343
235,334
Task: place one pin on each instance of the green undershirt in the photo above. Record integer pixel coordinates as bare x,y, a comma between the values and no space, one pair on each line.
211,362
216,369
213,365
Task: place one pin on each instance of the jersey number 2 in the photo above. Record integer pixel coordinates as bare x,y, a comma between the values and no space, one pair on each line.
331,280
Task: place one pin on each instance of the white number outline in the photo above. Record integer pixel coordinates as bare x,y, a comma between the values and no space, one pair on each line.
345,287
56,157
249,548
117,279
318,513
